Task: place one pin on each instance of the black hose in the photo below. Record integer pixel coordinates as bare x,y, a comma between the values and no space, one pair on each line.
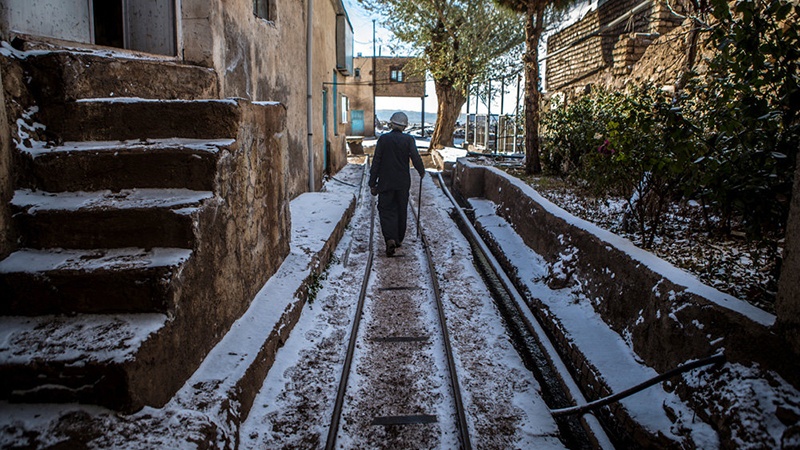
716,359
343,182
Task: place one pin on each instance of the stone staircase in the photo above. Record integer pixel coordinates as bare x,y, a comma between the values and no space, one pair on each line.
145,225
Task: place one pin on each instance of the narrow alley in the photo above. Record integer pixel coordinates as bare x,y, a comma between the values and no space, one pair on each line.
399,395
603,253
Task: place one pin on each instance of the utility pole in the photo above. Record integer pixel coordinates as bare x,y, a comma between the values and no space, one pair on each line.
516,114
488,112
466,124
501,137
477,101
502,93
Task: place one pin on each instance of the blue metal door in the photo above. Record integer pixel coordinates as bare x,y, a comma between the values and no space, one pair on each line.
357,119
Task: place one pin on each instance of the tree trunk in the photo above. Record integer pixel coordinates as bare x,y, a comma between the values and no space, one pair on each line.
691,56
533,32
787,305
450,102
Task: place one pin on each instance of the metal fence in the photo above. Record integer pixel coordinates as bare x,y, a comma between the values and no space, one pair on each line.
500,134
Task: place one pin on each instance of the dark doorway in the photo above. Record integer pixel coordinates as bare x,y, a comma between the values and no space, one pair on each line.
108,23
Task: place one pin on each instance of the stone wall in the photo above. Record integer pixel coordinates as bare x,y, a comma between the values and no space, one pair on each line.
242,241
670,322
265,60
261,60
17,100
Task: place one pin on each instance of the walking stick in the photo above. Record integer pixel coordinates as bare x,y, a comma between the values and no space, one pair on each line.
419,205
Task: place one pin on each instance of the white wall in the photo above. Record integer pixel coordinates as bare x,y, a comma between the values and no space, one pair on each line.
62,19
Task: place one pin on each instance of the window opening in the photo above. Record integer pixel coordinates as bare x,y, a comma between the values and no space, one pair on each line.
396,74
108,23
263,9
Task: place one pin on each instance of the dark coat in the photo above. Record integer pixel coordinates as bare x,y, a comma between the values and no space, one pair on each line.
389,169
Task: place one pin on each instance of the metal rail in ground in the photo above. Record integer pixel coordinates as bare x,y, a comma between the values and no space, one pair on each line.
330,443
533,326
451,366
454,384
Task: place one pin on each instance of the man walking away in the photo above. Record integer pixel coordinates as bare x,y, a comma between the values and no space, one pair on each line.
390,180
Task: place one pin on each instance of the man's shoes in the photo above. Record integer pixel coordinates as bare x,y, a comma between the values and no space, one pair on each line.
398,245
390,247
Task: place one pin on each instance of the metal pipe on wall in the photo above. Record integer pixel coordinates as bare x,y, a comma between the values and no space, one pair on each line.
516,116
310,92
488,114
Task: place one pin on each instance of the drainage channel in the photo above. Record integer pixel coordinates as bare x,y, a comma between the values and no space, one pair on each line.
559,390
391,294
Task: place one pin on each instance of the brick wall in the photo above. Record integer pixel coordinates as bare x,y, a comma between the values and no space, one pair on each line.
590,50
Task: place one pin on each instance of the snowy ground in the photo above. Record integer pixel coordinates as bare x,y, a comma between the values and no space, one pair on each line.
730,263
504,409
294,405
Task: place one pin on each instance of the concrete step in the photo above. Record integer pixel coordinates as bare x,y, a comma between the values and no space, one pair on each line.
59,281
115,165
63,76
143,218
109,119
82,358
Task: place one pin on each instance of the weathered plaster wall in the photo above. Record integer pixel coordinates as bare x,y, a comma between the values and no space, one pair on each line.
323,76
359,91
199,32
265,60
413,84
668,324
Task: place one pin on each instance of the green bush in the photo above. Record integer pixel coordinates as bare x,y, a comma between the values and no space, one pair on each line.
634,145
748,108
568,133
730,140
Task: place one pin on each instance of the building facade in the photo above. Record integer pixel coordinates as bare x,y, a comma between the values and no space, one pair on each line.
396,77
260,50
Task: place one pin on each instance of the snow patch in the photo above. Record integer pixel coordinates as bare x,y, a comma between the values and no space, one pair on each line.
654,263
605,349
